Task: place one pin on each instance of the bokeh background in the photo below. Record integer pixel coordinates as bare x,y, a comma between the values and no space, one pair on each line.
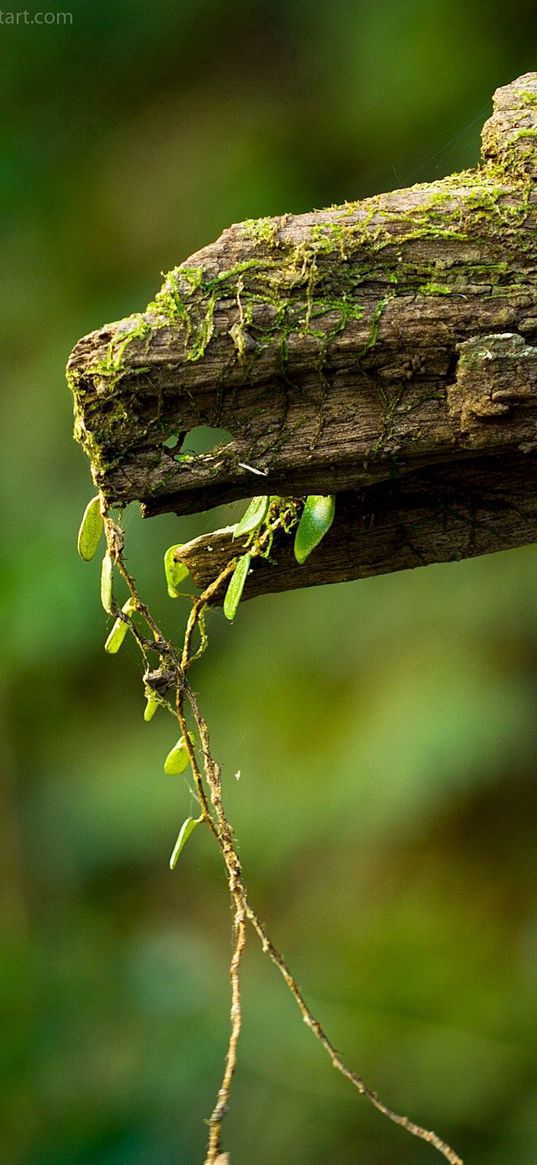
385,731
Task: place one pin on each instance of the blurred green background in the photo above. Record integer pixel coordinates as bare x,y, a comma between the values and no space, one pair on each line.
385,730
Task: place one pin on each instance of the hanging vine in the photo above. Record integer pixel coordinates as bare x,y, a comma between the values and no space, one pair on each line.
166,667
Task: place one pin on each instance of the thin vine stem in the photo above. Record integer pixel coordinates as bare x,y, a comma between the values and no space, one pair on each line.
209,792
222,1102
337,1061
310,1020
198,607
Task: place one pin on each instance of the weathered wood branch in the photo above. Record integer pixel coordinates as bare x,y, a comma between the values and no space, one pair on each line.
384,350
393,526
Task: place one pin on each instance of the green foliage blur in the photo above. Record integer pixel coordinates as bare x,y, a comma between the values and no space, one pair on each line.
385,731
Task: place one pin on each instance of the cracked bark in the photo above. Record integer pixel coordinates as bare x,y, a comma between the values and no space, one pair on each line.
384,350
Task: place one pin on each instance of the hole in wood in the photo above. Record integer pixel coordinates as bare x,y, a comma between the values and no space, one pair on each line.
200,442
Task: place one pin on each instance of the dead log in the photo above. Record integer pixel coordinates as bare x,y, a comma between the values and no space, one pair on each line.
383,350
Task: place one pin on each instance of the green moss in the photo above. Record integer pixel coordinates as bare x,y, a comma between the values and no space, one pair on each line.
333,236
234,273
436,289
201,334
345,270
97,419
308,293
111,366
527,97
524,133
375,325
169,303
260,230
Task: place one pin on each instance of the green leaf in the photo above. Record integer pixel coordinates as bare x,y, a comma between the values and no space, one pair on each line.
91,528
186,829
315,522
175,571
150,708
177,759
119,629
236,586
116,637
252,517
106,583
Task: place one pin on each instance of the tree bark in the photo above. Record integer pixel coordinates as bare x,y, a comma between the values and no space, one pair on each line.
383,350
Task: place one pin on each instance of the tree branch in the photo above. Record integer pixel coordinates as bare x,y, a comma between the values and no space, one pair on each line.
384,350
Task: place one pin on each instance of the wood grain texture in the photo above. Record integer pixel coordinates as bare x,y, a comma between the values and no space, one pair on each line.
413,521
384,350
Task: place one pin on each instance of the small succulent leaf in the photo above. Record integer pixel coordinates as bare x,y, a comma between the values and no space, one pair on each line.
91,528
177,759
119,629
252,517
116,637
186,829
316,520
236,586
175,571
106,583
150,708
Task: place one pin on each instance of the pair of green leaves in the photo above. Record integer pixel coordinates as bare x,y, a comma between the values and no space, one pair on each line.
315,521
249,524
89,536
176,762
